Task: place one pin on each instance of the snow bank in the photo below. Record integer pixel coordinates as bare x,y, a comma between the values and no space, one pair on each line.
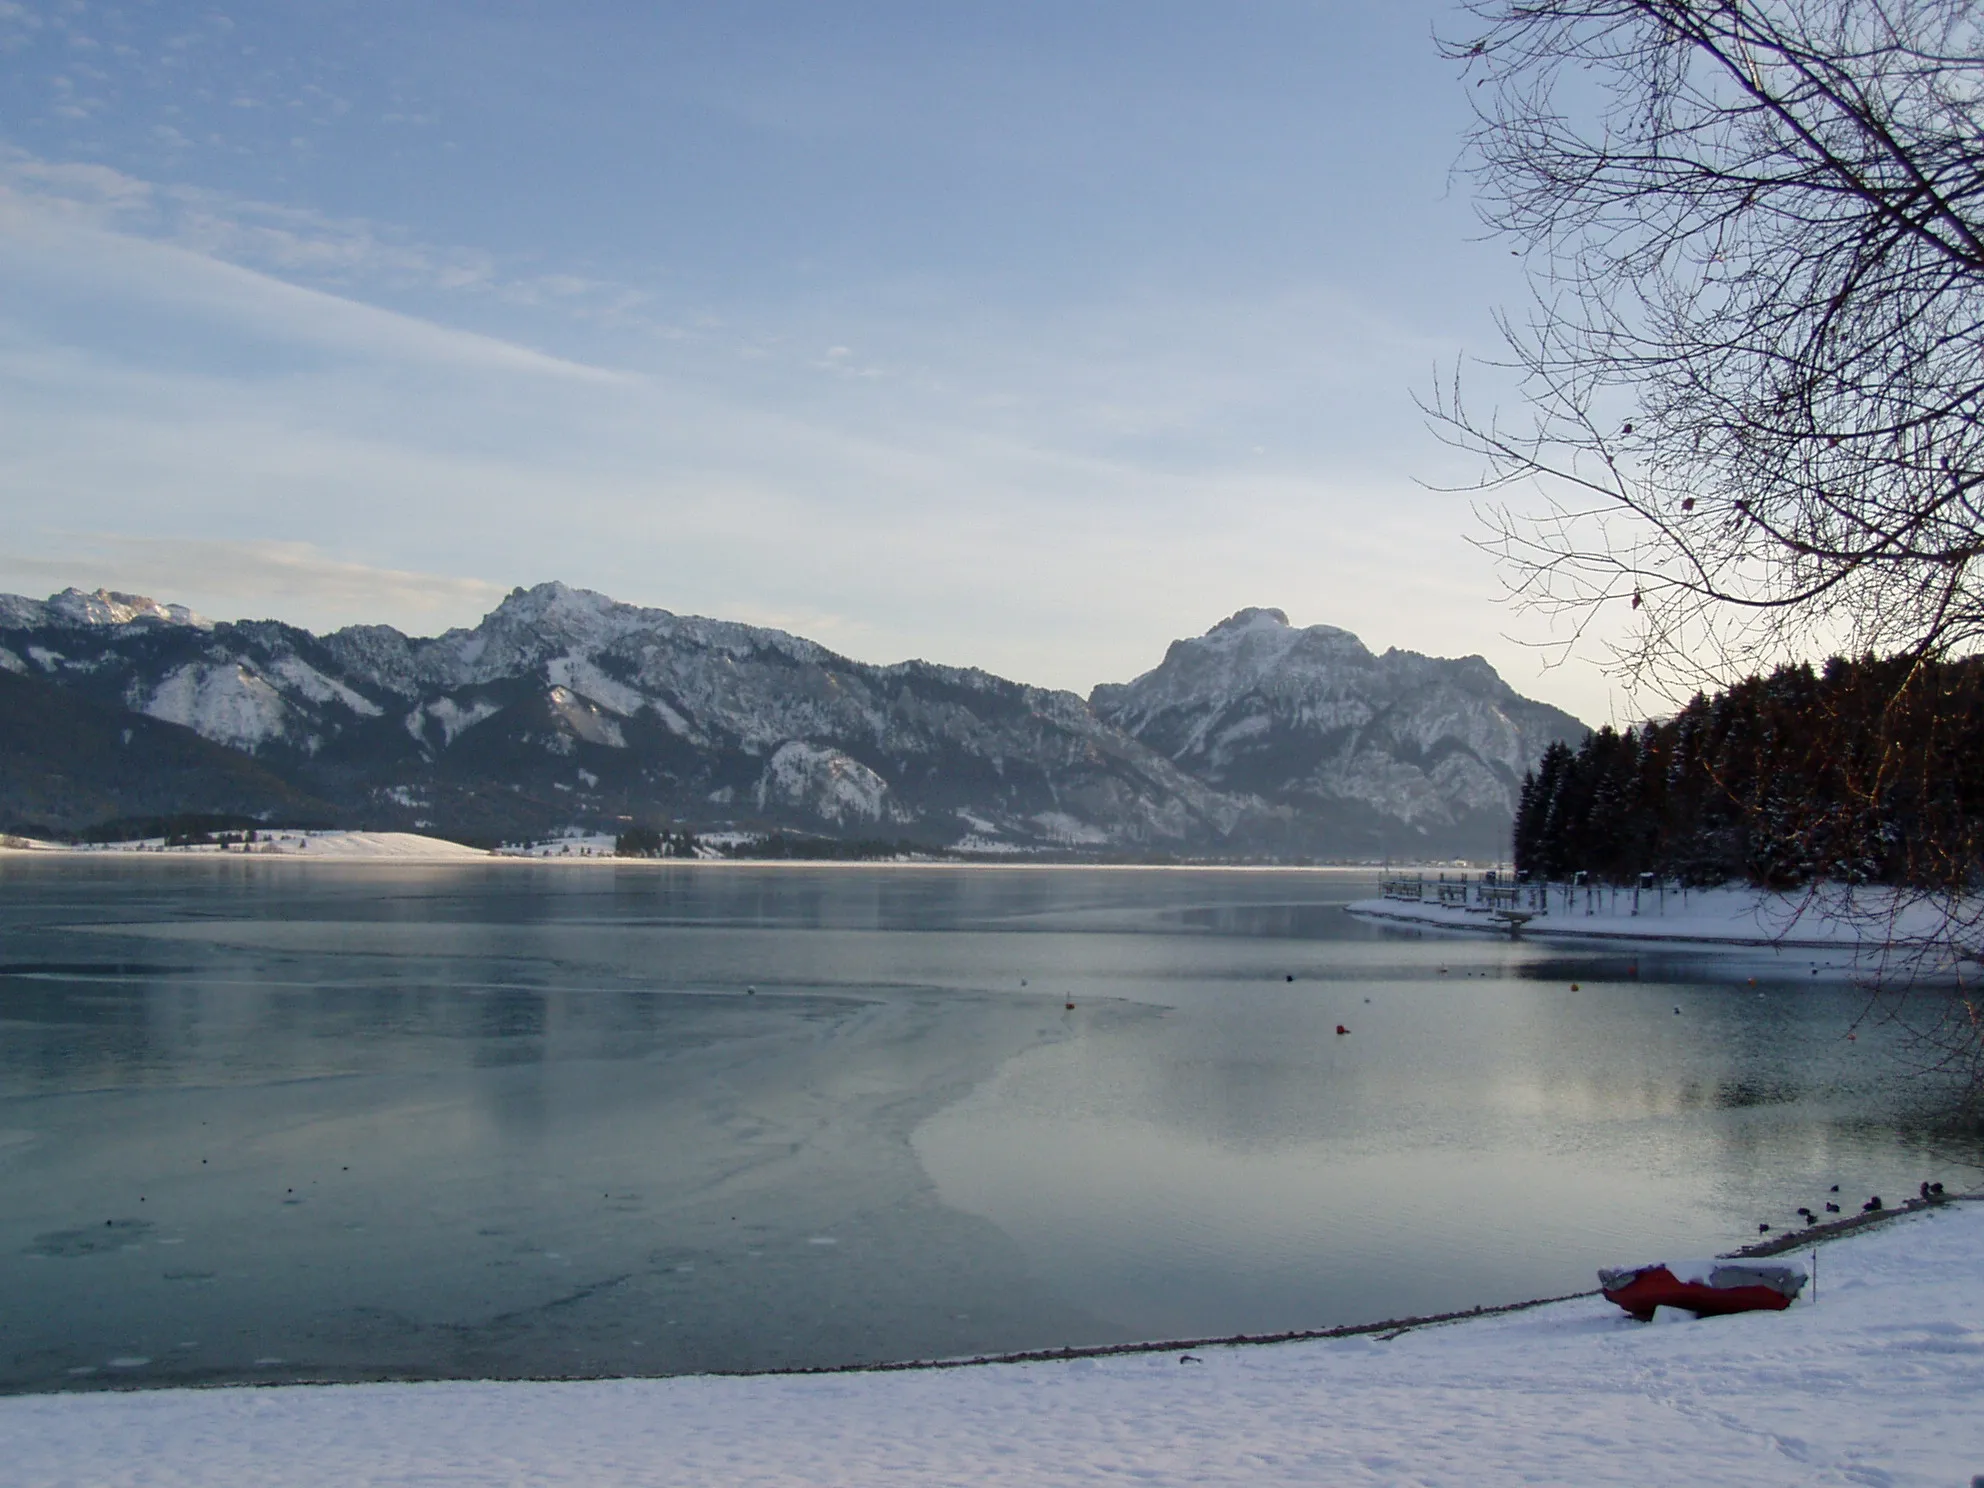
1875,1382
276,842
380,845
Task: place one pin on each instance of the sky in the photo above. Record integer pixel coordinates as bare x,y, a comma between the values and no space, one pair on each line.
1025,334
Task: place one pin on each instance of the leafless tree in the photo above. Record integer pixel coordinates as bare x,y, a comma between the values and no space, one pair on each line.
1754,363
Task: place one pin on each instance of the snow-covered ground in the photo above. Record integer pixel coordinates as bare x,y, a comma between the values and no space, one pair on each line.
1875,1381
1824,917
377,845
314,845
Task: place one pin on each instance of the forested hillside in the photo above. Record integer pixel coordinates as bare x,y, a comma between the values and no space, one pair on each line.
1870,771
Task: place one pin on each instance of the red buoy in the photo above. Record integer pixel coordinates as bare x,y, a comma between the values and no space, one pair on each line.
1341,1029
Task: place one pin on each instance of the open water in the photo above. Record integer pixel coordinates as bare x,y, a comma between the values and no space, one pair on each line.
266,1121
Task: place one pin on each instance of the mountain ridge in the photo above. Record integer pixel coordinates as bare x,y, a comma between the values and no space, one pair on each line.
1310,719
565,707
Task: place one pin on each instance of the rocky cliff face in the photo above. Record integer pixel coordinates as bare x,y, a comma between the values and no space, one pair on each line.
563,707
1379,753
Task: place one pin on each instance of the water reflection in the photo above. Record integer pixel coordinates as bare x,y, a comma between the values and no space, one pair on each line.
639,1118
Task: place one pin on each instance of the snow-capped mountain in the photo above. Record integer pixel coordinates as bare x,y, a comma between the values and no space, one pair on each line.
564,707
72,607
1354,745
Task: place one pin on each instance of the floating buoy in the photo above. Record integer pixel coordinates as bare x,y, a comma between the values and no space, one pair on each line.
1069,1006
1677,1012
750,991
1341,1029
1575,987
1290,977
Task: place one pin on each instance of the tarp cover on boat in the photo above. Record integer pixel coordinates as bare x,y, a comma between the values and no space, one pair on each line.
1785,1277
1705,1288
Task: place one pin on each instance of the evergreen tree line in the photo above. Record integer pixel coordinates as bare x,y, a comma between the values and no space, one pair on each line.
650,842
1869,771
654,842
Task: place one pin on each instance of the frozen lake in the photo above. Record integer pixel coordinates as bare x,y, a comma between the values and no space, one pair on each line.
274,1121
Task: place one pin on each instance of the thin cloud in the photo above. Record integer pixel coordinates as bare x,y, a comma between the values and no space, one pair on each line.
327,252
67,245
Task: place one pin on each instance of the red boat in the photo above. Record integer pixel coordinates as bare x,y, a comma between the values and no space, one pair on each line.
1705,1288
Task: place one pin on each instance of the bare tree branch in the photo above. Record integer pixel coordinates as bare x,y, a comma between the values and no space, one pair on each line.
1753,365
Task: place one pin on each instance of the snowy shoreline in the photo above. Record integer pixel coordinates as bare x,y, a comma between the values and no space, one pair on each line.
1824,917
348,848
1873,1381
294,846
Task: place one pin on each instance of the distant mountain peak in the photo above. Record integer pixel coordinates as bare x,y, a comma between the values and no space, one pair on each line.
1254,617
109,607
555,595
1266,633
1310,721
559,605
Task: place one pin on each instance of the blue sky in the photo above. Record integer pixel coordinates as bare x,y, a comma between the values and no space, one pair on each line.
1021,335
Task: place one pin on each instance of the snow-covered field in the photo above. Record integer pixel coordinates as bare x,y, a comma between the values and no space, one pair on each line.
1876,1381
383,845
1824,917
343,846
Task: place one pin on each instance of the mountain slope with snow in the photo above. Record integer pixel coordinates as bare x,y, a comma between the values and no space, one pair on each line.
563,707
67,763
1380,753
